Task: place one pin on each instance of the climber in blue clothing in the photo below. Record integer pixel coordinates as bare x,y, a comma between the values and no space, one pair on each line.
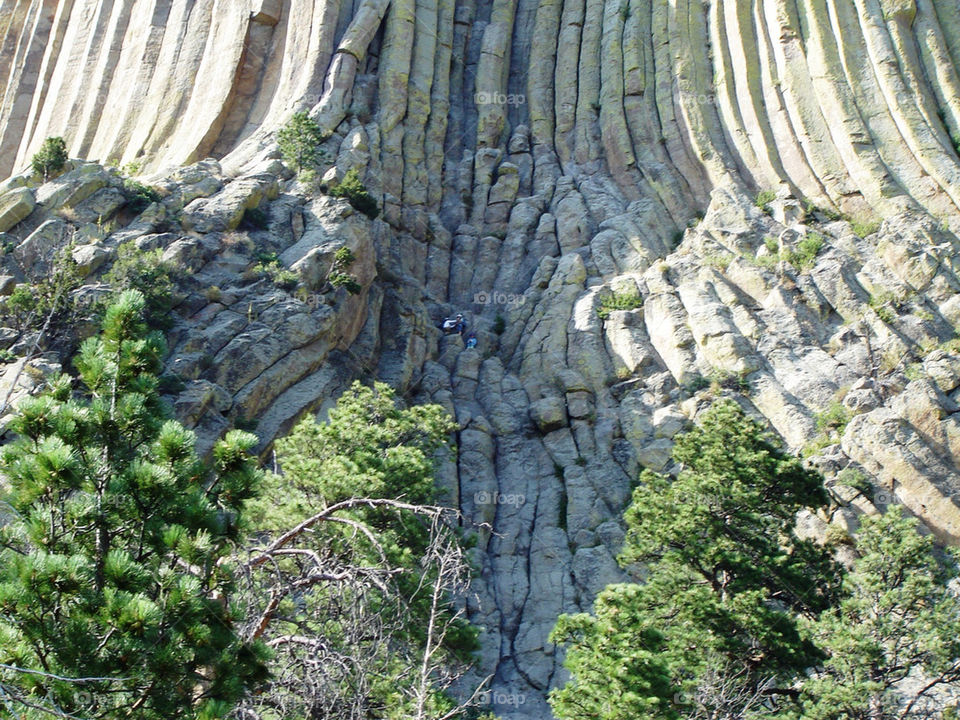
471,340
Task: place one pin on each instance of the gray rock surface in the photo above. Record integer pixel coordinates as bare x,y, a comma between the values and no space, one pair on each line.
539,166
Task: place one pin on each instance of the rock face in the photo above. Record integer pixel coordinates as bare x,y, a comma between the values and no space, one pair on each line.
582,180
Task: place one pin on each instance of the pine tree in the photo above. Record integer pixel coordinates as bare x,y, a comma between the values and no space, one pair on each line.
712,632
299,142
113,561
893,643
50,158
352,578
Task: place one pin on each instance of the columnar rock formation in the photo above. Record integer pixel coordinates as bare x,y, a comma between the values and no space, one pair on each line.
534,159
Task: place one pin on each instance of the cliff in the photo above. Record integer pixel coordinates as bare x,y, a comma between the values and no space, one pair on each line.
776,182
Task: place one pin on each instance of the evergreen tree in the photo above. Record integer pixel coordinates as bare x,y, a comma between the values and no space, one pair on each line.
113,560
712,633
299,142
894,642
50,158
350,598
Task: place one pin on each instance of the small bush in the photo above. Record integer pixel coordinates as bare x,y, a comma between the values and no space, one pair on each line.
139,196
499,325
864,228
830,213
299,142
737,382
886,314
619,301
339,279
50,158
147,272
891,360
269,266
698,382
718,261
213,294
131,168
853,478
19,307
764,198
951,346
355,192
283,278
805,256
816,445
914,371
833,419
338,276
47,295
886,305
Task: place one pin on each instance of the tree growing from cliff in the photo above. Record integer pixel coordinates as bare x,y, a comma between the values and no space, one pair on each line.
114,581
894,641
50,158
352,580
351,188
299,142
713,632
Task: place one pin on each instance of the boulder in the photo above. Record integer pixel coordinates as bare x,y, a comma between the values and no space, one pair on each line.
39,249
15,205
548,414
74,187
225,209
90,258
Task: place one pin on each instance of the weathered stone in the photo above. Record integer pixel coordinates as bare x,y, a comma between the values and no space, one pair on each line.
99,206
548,413
668,421
73,187
656,454
15,205
90,258
580,404
225,210
39,249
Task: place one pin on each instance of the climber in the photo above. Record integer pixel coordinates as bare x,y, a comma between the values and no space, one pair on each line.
471,340
454,325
